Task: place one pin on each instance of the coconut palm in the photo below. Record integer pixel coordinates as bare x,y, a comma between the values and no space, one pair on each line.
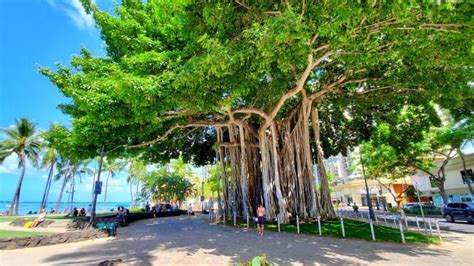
49,160
111,167
22,140
65,170
80,169
136,171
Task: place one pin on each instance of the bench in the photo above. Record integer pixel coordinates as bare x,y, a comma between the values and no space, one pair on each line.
110,227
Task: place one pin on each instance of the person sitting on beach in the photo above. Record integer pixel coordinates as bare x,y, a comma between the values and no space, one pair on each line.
75,212
52,211
121,215
82,212
41,217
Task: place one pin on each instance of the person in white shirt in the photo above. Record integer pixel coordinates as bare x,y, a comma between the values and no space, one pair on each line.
41,218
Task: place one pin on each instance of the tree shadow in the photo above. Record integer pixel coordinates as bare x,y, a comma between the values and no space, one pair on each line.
181,240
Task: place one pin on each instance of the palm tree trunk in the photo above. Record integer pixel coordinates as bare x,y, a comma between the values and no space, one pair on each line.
136,191
131,193
16,197
72,191
48,185
65,179
106,185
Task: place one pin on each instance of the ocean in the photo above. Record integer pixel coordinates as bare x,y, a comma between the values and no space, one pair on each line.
33,206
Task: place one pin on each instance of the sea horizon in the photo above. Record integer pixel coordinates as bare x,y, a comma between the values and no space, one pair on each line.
26,206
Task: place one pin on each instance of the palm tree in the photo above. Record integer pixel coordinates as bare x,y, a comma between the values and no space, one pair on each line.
49,160
22,140
65,170
80,168
111,167
135,173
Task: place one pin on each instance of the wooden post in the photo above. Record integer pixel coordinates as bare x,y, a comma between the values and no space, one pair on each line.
372,230
401,232
342,228
439,232
235,219
298,224
224,219
406,222
319,225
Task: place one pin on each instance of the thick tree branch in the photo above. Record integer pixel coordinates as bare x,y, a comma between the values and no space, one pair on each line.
327,89
169,131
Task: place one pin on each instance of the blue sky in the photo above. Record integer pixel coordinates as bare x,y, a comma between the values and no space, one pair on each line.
39,33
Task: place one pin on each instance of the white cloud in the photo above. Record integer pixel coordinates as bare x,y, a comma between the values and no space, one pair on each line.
75,11
10,165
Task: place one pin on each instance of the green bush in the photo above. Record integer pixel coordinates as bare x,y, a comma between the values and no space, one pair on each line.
392,209
136,209
256,261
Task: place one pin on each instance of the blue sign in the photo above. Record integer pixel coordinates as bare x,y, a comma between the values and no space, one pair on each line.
98,187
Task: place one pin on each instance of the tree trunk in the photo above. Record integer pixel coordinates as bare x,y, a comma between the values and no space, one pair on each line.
106,186
73,186
131,193
65,179
47,187
243,171
14,207
465,171
94,199
442,192
326,210
276,168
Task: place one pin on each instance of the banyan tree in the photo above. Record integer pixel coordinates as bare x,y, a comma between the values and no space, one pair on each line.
262,87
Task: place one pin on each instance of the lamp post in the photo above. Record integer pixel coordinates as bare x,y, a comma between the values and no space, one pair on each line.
369,203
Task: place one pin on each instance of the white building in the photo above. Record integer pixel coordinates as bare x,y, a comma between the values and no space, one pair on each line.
456,189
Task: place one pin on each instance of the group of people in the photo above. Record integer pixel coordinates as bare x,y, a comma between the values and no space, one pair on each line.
122,213
82,211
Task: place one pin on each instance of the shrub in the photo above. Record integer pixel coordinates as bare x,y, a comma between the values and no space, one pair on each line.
392,209
136,209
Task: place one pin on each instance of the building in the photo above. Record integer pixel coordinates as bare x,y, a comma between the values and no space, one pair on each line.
349,188
456,188
352,189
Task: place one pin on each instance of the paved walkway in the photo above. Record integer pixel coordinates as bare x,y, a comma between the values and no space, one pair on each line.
183,241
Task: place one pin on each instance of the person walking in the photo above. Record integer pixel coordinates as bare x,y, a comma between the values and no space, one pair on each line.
260,219
401,218
356,209
190,211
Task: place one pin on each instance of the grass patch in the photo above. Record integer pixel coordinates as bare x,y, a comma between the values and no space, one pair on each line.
11,218
353,229
8,234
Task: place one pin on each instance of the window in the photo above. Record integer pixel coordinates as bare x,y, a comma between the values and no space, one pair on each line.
453,205
463,206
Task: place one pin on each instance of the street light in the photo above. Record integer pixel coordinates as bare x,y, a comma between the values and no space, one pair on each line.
369,203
